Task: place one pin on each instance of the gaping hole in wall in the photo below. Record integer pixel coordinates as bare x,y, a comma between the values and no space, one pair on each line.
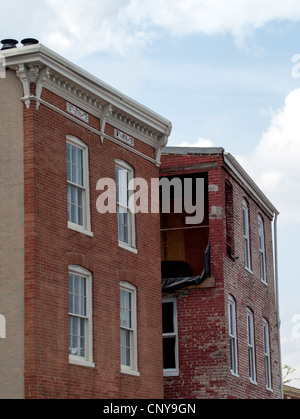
184,247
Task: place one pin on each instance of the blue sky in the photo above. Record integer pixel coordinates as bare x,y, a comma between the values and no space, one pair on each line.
220,70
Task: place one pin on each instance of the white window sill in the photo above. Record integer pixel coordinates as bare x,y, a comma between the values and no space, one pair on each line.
80,229
130,372
249,270
127,247
74,360
171,373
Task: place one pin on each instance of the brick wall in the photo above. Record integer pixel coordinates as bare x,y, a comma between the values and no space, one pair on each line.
204,362
51,247
250,292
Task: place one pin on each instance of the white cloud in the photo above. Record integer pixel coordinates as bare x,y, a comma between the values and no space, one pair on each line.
119,25
202,142
274,163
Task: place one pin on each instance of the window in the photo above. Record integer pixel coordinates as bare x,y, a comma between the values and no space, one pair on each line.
229,220
262,254
78,186
267,354
232,336
251,346
126,221
170,337
128,324
80,316
246,236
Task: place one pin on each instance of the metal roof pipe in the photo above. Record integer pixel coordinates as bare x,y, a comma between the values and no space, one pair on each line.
9,44
29,41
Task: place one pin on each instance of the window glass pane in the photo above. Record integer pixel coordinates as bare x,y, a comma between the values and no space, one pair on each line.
233,360
123,225
75,205
169,356
77,336
125,314
77,295
123,187
168,317
125,347
246,222
75,164
231,313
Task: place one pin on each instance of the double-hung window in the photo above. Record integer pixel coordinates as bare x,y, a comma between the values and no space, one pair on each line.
246,236
80,316
170,337
126,219
262,254
78,186
267,354
251,346
128,325
232,336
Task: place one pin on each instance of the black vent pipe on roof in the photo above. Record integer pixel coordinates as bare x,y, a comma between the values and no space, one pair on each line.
9,44
29,41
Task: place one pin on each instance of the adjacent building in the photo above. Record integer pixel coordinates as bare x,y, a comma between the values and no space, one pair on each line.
219,280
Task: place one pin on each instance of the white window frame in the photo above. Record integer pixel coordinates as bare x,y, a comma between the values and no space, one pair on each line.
267,352
262,252
251,346
131,245
86,228
131,369
247,252
233,336
86,361
172,372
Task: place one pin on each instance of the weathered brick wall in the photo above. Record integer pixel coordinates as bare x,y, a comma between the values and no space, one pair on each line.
203,314
51,247
249,292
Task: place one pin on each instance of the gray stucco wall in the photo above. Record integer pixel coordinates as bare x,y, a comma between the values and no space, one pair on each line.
11,237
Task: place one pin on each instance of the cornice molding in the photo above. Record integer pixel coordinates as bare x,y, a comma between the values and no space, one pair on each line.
38,65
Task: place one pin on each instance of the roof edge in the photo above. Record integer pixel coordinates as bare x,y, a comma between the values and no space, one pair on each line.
184,151
40,54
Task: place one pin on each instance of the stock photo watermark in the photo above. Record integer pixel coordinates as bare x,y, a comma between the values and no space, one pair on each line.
296,327
296,67
2,327
133,195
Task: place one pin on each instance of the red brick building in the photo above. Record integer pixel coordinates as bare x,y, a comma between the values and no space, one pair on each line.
220,302
69,273
80,286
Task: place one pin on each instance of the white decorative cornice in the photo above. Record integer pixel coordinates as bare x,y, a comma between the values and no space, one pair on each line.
46,69
22,74
106,113
31,74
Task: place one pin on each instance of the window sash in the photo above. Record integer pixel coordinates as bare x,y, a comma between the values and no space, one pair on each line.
251,347
170,339
267,354
78,185
262,253
128,328
246,235
126,225
232,336
80,315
